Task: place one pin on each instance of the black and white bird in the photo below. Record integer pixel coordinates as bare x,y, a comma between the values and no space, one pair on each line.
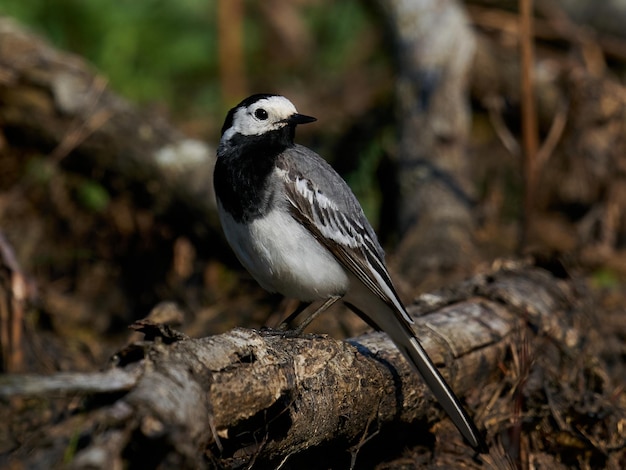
296,226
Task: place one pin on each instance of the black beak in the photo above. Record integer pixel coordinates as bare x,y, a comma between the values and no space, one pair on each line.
300,119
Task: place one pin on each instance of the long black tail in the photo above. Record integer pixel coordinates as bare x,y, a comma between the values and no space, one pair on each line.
386,318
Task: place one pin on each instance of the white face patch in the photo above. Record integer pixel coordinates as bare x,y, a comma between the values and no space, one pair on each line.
265,115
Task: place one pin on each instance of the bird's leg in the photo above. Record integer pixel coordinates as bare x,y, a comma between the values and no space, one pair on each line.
302,306
327,304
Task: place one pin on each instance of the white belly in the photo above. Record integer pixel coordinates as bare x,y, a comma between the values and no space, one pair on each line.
284,257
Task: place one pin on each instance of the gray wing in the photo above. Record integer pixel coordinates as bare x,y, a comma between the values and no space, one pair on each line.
323,202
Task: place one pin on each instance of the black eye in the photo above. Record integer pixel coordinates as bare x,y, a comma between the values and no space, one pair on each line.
260,114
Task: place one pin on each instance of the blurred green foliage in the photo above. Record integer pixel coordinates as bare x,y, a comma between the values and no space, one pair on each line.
93,196
39,170
605,278
165,52
338,32
151,50
363,179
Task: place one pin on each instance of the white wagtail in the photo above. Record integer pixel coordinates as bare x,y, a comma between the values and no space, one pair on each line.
296,226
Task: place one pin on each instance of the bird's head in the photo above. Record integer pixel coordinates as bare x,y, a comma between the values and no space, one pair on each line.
262,114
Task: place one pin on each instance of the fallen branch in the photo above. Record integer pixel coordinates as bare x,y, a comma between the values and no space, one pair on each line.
256,397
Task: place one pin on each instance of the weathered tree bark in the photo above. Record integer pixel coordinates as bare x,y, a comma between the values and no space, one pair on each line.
55,102
251,398
434,48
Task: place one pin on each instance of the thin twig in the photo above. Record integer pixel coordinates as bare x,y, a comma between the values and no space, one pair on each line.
230,14
494,105
554,135
12,310
82,128
530,136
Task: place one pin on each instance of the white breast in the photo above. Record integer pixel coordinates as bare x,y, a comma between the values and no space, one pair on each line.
284,257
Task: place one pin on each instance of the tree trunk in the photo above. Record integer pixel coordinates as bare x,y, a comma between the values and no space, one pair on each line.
434,48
